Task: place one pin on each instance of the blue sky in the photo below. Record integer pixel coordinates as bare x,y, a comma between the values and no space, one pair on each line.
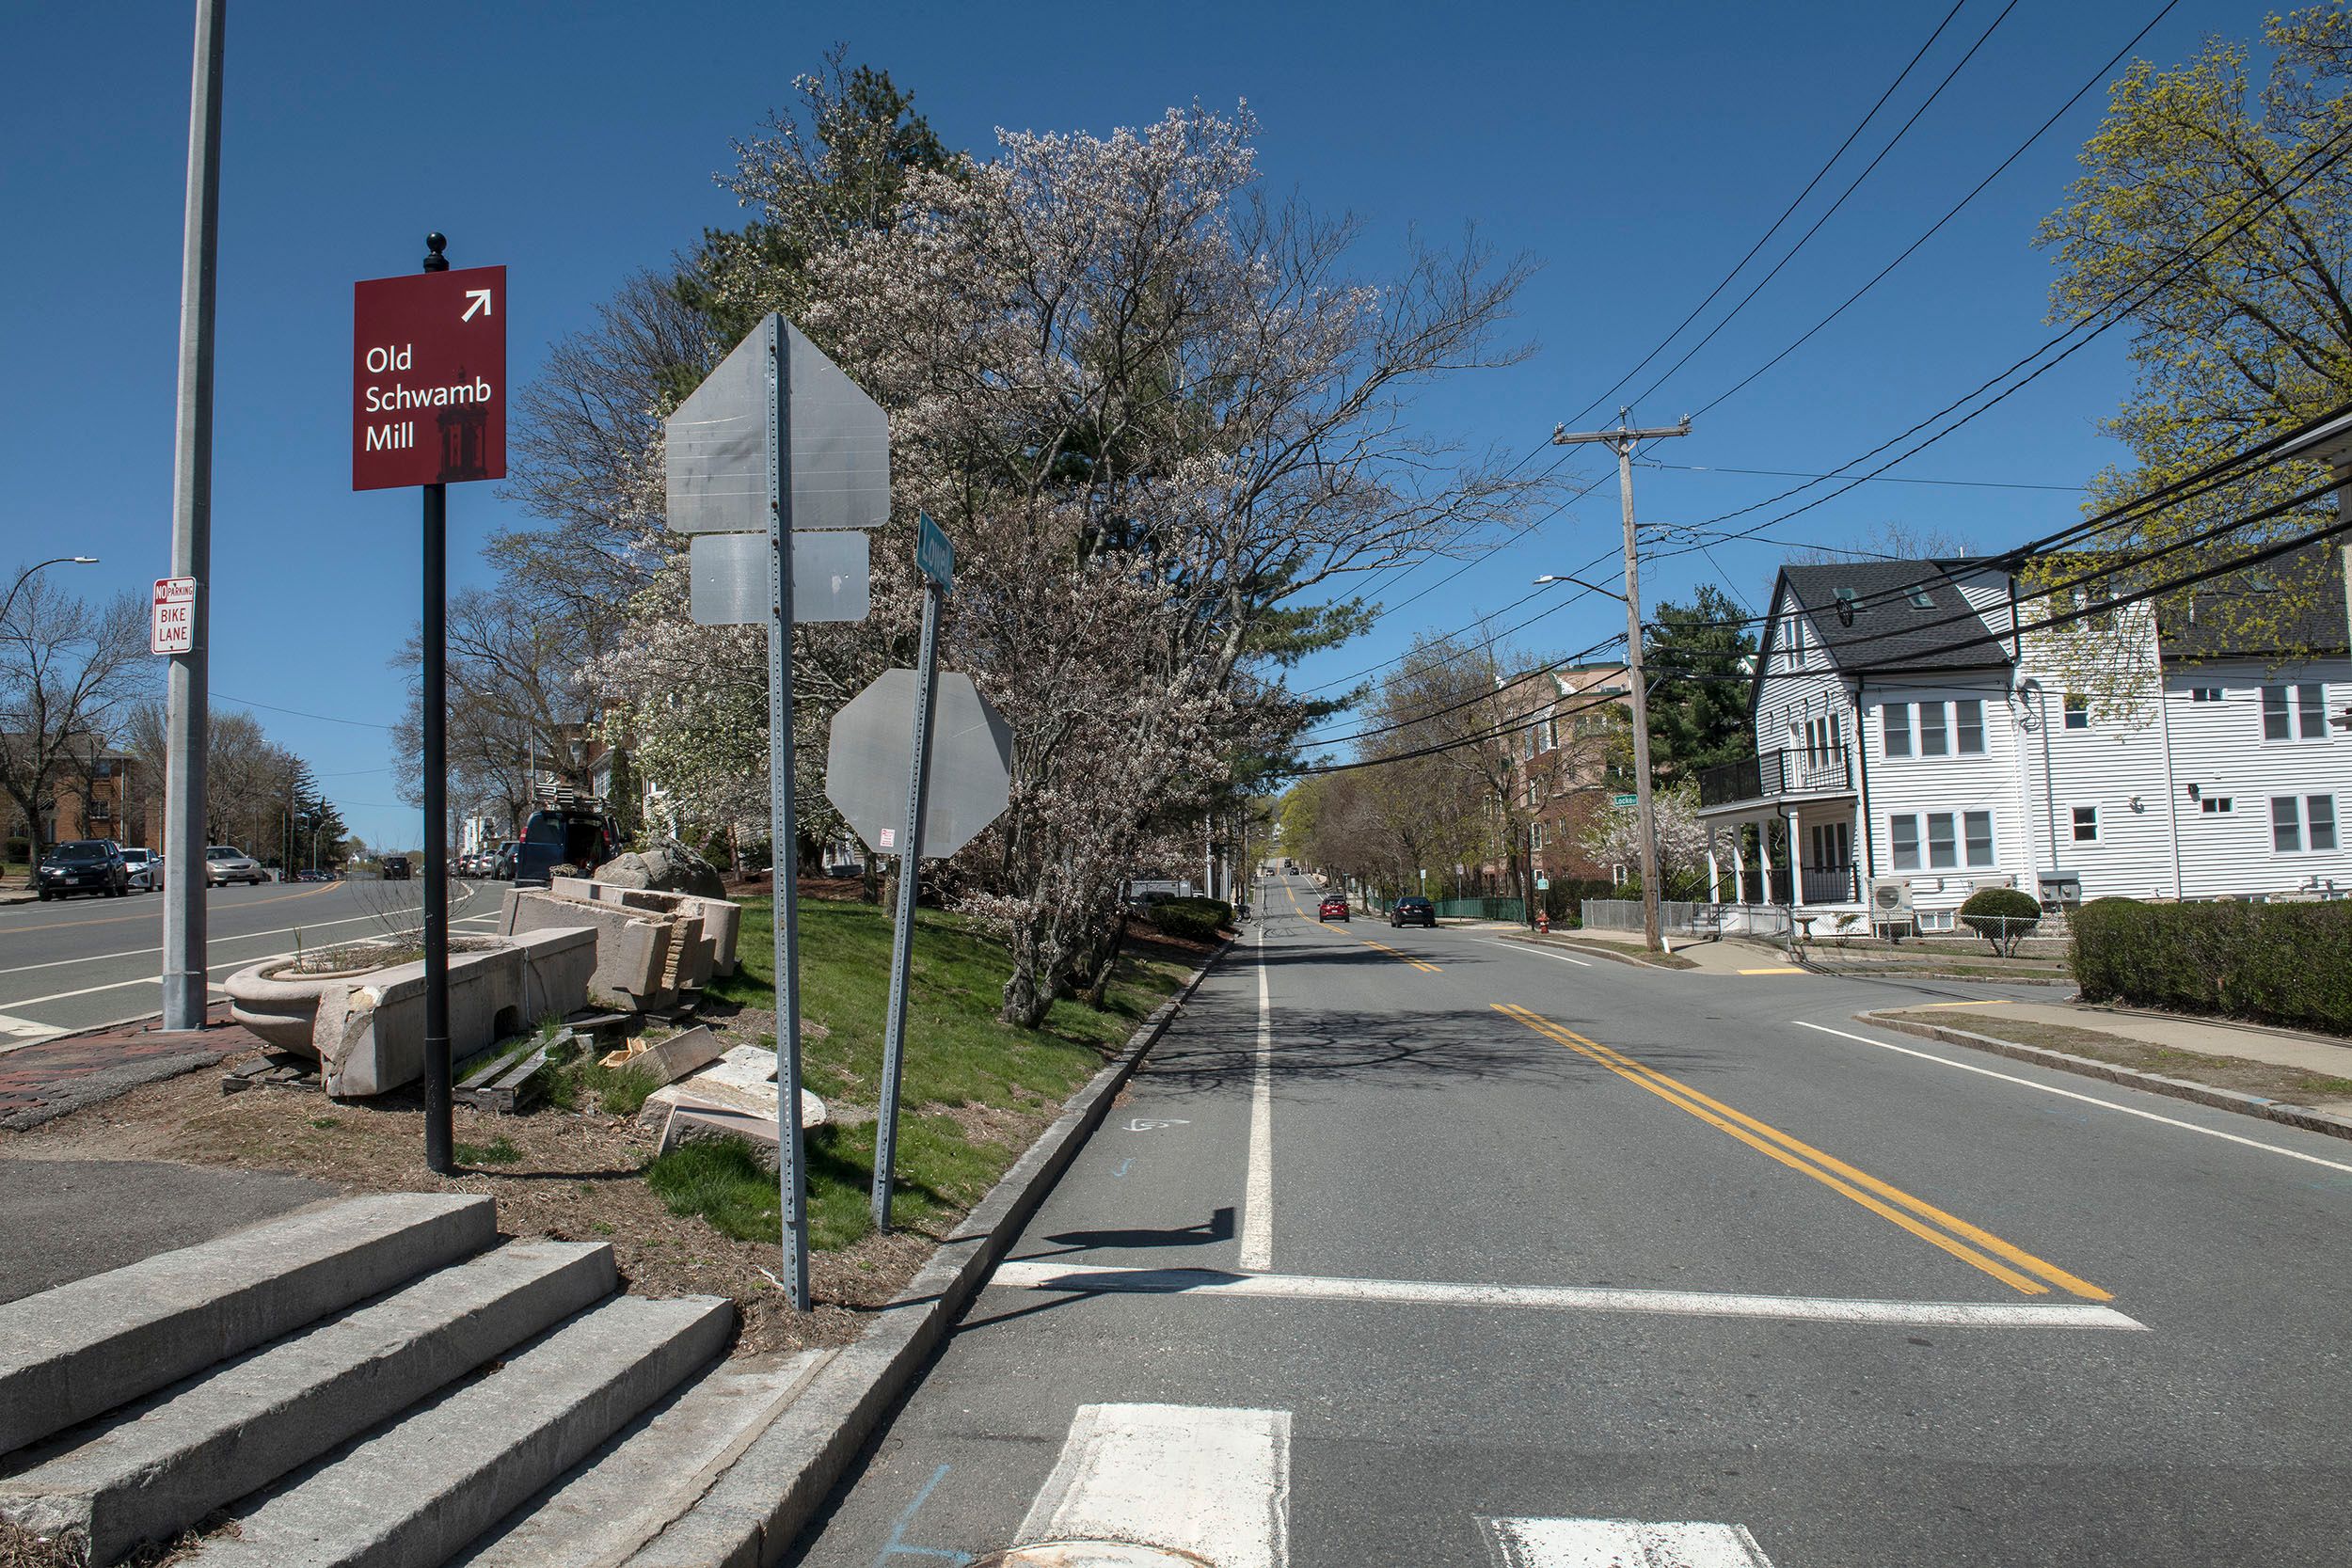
1634,151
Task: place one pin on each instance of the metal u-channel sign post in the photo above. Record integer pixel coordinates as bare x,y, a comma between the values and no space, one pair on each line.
783,831
777,451
937,558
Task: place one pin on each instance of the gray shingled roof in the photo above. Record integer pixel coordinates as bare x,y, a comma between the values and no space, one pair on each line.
1889,632
2218,620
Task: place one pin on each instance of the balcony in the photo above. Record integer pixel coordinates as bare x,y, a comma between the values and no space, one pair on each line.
1774,774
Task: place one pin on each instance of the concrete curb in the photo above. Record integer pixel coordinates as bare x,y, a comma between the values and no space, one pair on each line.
2179,1088
755,1510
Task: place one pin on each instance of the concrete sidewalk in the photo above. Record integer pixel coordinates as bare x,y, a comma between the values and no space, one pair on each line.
2286,1048
1720,956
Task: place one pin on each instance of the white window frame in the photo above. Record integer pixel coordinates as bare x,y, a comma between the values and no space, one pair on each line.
1896,850
1968,841
2313,807
2286,824
1949,846
1891,730
1967,719
1940,729
2074,711
2085,816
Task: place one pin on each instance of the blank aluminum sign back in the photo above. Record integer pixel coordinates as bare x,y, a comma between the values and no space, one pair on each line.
830,581
716,443
871,752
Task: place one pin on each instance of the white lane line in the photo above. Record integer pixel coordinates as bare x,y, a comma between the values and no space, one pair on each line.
1524,947
1620,1543
2086,1099
1210,1482
1086,1279
25,1031
459,903
1257,1224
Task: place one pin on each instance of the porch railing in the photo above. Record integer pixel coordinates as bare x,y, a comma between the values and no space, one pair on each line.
1792,771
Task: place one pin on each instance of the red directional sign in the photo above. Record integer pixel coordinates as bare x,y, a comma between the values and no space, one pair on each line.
428,378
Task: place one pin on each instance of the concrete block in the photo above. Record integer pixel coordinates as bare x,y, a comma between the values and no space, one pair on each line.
81,1349
678,1056
369,1031
722,918
632,950
735,1097
417,1491
160,1467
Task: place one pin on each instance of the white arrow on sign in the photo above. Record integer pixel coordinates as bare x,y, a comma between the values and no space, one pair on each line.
480,298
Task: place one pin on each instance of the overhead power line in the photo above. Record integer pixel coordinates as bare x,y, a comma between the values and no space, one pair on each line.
1787,213
1952,212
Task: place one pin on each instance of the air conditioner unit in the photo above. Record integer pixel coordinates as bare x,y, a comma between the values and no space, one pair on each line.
1890,902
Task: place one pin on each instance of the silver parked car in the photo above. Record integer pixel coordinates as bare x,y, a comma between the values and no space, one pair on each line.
147,869
223,864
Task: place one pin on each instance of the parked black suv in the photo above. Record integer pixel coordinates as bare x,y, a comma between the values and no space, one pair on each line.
574,832
84,865
396,868
1413,910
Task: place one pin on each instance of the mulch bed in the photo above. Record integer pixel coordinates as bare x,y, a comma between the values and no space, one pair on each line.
572,1175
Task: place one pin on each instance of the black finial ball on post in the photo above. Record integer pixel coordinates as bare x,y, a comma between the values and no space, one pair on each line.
434,245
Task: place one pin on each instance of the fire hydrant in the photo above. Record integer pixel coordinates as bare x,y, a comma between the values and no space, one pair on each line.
1543,922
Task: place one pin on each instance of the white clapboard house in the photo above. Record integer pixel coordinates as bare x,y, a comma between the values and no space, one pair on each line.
1913,747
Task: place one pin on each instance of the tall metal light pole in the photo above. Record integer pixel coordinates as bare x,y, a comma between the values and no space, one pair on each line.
186,978
1624,439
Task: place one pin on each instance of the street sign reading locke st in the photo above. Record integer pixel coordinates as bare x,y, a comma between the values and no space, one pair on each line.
428,378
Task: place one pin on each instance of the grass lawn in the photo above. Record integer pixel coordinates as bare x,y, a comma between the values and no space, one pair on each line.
975,1090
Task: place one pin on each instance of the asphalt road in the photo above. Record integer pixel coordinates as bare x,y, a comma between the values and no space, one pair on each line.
79,963
1453,1251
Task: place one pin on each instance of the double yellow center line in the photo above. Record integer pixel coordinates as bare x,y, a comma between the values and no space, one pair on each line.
2005,1262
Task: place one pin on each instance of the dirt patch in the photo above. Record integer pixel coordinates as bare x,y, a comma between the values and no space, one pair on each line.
2237,1073
573,1177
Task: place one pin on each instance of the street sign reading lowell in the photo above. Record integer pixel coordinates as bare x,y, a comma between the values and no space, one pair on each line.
428,378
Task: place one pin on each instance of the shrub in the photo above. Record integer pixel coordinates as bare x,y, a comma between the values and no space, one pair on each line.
2002,915
2274,963
1192,919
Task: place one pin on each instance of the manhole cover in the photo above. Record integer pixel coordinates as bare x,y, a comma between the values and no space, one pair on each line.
1093,1554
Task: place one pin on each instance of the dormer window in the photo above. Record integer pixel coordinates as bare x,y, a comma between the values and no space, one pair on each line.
1920,597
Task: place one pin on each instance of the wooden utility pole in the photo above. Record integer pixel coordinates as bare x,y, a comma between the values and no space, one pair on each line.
1623,438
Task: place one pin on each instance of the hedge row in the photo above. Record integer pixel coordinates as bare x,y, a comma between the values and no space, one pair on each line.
2274,963
1192,919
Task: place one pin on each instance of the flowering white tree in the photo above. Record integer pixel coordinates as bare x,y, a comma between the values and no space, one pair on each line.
1161,426
1614,835
1158,421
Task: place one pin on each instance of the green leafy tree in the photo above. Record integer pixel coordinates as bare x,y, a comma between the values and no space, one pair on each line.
2220,218
1699,655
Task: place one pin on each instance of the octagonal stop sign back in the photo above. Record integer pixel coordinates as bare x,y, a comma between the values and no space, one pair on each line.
871,754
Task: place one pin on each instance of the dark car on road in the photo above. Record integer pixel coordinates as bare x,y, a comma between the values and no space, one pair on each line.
396,868
84,865
1413,911
1332,907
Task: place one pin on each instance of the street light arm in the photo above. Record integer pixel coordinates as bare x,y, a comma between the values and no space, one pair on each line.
1588,587
22,577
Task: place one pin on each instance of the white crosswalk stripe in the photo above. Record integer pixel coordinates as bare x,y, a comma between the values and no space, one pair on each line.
1620,1543
1215,1483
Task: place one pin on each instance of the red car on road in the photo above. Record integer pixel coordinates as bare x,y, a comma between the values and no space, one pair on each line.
1332,907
